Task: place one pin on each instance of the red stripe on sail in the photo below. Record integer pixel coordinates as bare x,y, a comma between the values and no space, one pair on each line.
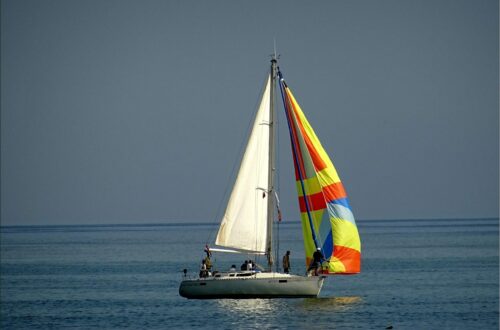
334,191
318,201
314,201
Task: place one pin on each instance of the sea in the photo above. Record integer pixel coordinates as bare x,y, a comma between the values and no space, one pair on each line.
416,274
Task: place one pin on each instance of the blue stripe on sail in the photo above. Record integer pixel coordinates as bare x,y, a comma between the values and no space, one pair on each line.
340,212
327,247
342,201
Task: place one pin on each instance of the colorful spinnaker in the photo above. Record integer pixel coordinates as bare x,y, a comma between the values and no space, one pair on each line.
327,219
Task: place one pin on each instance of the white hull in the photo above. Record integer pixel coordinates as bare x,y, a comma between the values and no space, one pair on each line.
251,285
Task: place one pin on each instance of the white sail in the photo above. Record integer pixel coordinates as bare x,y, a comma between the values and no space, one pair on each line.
244,225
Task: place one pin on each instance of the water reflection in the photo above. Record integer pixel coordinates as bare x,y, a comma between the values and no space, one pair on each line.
333,304
268,306
250,306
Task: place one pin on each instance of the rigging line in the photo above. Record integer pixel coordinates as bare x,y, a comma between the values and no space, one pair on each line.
237,160
295,154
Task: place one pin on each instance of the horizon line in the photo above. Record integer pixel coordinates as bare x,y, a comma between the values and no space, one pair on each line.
198,222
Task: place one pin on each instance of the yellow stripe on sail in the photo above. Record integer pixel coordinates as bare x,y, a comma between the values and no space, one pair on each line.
336,266
346,238
345,233
315,184
309,246
311,185
328,176
316,216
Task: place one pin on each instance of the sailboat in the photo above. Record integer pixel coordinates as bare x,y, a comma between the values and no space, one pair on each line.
328,225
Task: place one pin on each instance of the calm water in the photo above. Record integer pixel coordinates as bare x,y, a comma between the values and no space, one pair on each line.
421,274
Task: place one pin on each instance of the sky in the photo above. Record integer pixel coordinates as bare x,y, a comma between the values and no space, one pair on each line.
122,111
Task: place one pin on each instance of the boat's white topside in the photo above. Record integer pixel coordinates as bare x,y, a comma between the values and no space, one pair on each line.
251,284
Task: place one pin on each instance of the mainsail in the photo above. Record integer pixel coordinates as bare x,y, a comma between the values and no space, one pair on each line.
244,224
327,219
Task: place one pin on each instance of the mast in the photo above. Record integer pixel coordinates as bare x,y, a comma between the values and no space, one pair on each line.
270,193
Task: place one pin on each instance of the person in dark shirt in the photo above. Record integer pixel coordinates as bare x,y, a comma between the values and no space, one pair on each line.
316,262
286,262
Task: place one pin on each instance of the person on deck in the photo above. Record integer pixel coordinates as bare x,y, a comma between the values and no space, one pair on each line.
316,262
203,269
249,265
244,265
286,262
208,263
